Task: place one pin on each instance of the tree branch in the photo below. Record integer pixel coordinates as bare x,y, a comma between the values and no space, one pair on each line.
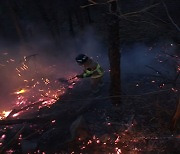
170,18
94,3
141,11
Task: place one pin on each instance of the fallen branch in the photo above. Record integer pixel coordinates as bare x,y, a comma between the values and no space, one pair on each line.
67,115
36,132
22,121
60,116
11,141
173,82
173,56
15,111
158,72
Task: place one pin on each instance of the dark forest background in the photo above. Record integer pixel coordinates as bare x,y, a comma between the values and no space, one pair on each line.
117,22
136,42
24,20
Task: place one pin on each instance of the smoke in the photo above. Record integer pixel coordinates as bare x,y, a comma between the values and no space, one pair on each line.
46,61
139,58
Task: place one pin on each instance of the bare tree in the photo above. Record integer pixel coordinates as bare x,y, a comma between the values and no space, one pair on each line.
15,19
50,17
114,52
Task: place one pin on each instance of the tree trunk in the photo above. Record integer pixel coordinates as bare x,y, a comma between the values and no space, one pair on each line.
51,22
176,116
89,16
71,28
79,18
176,39
114,53
55,26
16,21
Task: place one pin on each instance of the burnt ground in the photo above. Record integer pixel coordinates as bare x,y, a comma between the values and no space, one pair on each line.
82,123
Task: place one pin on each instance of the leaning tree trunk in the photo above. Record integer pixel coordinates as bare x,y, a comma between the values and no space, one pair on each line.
176,39
176,116
114,53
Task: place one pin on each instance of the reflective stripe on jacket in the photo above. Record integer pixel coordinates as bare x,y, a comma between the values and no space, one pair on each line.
98,72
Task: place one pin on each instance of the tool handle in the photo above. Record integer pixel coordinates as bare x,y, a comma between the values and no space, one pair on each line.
72,78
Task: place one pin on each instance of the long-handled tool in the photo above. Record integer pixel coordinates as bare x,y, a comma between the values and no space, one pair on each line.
63,80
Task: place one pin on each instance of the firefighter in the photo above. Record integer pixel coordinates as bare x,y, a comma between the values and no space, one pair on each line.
91,69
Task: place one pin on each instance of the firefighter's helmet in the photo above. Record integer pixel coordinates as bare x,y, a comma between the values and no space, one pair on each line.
81,59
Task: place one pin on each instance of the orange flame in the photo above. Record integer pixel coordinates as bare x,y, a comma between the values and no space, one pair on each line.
20,91
4,114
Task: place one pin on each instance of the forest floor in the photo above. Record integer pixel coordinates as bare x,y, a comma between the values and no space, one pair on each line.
81,123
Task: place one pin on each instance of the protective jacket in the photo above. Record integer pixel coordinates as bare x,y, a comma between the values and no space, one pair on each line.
92,69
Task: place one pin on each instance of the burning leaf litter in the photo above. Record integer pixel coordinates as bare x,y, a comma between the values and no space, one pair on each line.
46,92
39,88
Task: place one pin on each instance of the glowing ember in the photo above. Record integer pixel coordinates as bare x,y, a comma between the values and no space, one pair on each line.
20,91
4,114
33,87
15,115
53,121
173,89
118,151
98,141
3,137
117,140
178,68
10,151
